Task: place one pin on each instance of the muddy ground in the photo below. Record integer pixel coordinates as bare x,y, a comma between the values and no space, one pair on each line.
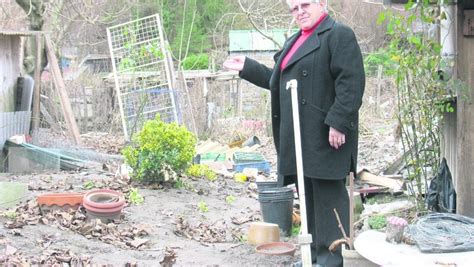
206,238
175,229
169,227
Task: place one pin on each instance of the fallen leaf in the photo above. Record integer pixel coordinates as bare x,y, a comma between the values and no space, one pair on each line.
169,257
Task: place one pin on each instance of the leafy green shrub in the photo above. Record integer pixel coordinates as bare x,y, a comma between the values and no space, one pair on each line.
196,62
199,170
377,222
158,149
384,57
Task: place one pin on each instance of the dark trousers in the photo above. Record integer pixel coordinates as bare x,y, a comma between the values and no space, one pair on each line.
322,197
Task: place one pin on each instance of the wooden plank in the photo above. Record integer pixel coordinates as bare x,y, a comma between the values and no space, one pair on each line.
370,178
190,103
207,146
61,88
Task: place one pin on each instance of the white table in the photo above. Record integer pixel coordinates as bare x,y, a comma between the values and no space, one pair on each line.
372,246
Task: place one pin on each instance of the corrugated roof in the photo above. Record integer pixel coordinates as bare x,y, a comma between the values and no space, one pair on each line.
252,40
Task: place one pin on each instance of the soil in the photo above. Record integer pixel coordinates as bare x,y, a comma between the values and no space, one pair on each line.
160,213
172,225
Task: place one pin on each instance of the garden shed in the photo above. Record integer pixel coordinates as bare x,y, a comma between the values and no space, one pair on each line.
11,62
11,59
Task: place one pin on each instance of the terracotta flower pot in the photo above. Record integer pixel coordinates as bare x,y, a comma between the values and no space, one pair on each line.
102,210
104,199
103,204
277,248
62,200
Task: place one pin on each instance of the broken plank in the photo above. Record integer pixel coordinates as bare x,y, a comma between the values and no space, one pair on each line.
395,185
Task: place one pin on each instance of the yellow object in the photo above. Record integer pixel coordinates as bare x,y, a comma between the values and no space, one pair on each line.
260,233
240,177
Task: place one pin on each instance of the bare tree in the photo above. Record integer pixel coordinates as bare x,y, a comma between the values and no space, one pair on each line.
263,16
35,10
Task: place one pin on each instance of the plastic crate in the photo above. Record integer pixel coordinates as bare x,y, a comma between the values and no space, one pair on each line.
247,157
263,166
211,156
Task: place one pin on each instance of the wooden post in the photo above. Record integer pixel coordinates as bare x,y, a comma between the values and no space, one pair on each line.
61,88
351,210
379,85
35,114
464,180
85,104
239,97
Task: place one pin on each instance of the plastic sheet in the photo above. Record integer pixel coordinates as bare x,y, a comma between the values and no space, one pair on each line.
441,193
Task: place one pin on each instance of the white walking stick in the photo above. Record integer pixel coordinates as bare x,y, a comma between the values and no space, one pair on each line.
304,239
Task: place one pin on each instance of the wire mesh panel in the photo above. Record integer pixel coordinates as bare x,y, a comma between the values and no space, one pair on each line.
141,72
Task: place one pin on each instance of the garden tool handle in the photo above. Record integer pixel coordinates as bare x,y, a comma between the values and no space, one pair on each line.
305,239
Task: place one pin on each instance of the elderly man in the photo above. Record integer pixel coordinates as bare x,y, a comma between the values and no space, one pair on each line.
325,58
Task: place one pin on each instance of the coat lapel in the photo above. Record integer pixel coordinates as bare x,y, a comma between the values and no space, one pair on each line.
276,70
312,43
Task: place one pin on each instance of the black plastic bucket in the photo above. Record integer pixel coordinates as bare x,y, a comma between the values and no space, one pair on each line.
276,206
267,185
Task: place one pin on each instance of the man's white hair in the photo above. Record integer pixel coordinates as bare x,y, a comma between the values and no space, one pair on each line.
288,2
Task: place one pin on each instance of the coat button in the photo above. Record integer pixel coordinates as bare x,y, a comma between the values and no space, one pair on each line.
303,101
304,73
352,124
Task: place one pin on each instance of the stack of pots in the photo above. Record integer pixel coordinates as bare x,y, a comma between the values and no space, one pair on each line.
103,204
276,205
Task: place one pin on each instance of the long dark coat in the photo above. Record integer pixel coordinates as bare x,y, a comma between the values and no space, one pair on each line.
331,80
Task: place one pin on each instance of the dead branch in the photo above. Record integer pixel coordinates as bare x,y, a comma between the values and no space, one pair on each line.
346,239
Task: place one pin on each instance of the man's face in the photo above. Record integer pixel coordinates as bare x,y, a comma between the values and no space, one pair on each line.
306,12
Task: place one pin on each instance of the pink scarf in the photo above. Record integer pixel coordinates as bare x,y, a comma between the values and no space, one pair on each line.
305,34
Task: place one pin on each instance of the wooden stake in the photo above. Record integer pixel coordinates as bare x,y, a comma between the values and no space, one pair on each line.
379,86
61,88
351,210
